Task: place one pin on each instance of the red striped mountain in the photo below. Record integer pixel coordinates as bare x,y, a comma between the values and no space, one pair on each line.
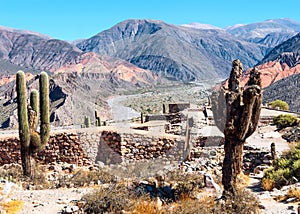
80,82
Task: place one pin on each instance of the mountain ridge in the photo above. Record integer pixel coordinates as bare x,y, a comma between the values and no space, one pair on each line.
151,45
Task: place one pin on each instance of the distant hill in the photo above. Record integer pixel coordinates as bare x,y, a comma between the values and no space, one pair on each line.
269,33
286,89
176,52
287,52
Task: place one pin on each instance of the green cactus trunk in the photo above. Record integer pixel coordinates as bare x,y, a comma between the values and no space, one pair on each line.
142,117
87,121
97,119
31,141
44,107
24,132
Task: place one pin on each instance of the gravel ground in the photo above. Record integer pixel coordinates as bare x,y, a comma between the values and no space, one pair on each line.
266,198
49,201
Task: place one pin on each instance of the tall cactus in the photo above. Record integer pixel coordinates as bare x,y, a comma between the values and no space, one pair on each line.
97,119
31,141
241,117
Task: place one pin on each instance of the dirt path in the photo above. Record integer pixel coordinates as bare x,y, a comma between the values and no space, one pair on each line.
266,198
49,201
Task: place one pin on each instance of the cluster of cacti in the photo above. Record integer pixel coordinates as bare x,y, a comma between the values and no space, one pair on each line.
32,141
238,119
97,119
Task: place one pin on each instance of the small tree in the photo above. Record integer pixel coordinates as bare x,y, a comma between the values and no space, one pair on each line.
282,105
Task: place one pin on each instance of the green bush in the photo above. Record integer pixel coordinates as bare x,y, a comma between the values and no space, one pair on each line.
285,120
296,168
284,170
283,162
279,104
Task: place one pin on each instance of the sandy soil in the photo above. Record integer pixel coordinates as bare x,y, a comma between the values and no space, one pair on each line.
49,201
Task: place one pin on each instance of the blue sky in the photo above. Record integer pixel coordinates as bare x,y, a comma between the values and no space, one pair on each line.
76,19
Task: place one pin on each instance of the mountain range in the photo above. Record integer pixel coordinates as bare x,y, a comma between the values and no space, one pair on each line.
142,53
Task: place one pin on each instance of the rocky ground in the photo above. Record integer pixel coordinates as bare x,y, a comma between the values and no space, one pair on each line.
67,200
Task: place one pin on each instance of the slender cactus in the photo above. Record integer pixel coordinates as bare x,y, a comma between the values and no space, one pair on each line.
142,117
31,141
87,121
44,106
97,119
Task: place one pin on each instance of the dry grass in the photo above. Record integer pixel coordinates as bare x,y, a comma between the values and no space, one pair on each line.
243,180
85,177
12,207
294,193
190,198
267,184
146,206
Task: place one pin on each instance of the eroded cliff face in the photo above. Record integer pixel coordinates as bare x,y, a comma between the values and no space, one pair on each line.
272,71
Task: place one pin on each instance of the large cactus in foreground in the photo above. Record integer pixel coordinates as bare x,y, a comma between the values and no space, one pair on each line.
31,141
241,115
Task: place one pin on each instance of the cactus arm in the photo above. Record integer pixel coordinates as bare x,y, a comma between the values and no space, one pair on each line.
44,108
34,102
252,100
218,108
22,109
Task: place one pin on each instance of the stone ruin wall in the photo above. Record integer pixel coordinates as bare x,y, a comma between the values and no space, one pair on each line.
84,147
62,147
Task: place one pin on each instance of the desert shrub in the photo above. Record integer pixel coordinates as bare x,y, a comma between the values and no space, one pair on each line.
12,207
284,170
85,177
242,202
267,184
296,168
14,173
283,162
279,104
293,193
285,120
185,183
111,199
123,198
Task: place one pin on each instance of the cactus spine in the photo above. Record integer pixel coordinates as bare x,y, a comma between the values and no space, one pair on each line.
31,141
243,108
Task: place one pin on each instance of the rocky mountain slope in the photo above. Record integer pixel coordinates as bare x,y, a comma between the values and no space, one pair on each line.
286,89
177,52
281,62
287,52
269,33
78,80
